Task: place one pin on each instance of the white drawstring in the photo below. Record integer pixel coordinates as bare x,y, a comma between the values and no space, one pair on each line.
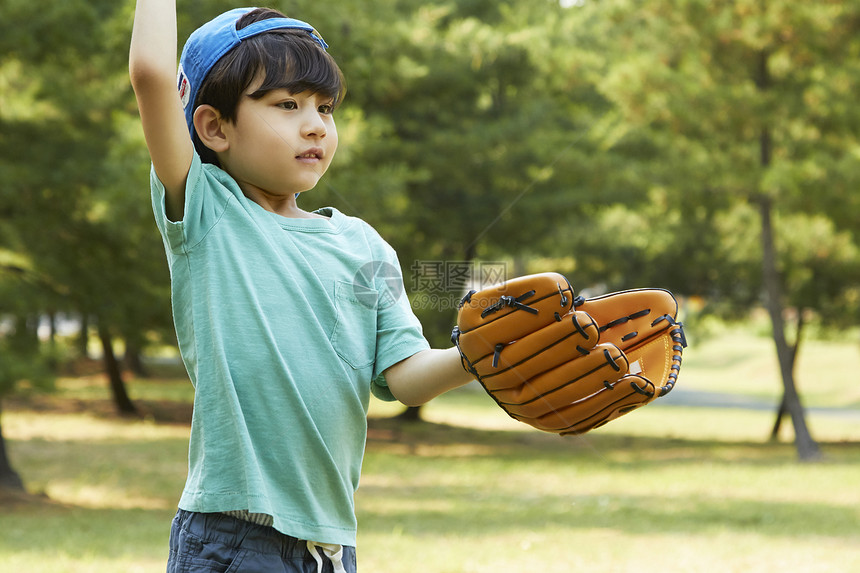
332,551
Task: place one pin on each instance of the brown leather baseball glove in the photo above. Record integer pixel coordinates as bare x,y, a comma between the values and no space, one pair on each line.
567,364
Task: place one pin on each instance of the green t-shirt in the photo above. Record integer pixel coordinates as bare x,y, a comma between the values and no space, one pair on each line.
285,326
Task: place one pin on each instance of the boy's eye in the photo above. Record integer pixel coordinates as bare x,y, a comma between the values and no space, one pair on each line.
326,108
287,104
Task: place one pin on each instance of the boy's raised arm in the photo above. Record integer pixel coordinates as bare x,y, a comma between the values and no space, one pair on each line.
152,69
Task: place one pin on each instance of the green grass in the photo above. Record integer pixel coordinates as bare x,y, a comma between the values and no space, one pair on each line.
739,361
492,501
667,488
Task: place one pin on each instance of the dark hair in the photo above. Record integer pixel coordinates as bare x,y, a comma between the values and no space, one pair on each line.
286,59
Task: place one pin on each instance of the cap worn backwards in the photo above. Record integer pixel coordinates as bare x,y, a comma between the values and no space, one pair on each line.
210,42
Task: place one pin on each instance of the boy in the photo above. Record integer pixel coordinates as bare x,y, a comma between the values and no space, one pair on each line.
282,350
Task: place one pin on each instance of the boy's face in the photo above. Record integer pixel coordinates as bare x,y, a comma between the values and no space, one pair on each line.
280,144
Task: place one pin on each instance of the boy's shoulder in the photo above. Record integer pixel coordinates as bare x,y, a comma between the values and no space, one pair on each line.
339,217
355,227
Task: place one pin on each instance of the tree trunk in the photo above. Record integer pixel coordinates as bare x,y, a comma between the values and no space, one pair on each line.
83,338
9,478
133,359
782,411
123,403
807,448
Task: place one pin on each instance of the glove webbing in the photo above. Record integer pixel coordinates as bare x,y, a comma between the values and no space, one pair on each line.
515,303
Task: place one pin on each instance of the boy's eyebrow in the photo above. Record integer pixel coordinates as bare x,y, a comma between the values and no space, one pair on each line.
258,93
283,92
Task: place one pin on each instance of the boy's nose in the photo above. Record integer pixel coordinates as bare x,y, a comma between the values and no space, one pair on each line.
313,126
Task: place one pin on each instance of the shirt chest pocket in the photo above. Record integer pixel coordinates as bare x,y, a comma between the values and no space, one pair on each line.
354,333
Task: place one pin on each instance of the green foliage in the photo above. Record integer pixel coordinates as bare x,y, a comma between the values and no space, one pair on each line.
618,140
714,104
822,267
74,203
24,363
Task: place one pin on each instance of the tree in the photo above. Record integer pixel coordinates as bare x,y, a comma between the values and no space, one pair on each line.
75,199
739,99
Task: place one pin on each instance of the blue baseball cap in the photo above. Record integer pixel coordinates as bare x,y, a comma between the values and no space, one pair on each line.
210,42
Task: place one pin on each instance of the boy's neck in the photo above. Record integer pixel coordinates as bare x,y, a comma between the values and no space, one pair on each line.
285,206
291,212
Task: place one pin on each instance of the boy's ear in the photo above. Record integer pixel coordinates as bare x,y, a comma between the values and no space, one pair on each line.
207,123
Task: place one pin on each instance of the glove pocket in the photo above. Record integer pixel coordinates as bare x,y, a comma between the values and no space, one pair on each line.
656,362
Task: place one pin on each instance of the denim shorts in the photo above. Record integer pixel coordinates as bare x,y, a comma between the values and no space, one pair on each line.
218,543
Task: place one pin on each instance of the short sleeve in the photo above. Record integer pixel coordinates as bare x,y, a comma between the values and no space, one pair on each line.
399,332
208,191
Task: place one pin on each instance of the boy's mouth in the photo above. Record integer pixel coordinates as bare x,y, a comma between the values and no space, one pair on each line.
314,153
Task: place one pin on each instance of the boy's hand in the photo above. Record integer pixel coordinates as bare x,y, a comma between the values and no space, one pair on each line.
568,365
